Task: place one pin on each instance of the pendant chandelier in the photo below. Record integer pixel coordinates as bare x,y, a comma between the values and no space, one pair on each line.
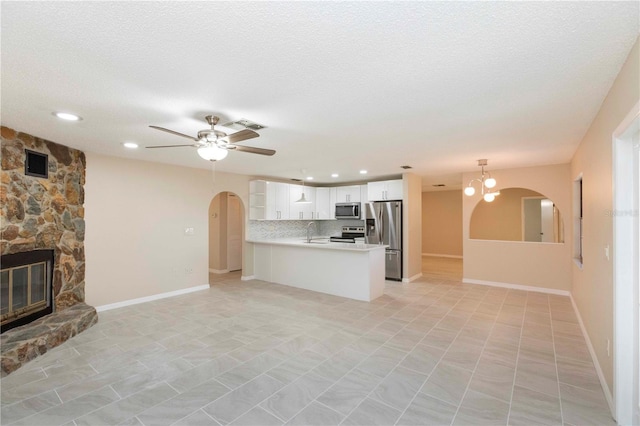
486,183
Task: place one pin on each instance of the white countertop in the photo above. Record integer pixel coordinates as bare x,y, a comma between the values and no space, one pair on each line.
319,243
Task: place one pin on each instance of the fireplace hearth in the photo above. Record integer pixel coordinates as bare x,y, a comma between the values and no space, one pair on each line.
25,287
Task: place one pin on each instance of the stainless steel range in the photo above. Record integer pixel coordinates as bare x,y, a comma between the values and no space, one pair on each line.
350,234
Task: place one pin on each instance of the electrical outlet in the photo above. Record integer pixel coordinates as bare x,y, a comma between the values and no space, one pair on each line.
606,251
189,231
608,347
188,271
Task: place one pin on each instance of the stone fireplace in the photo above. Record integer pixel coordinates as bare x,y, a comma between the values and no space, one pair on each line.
41,213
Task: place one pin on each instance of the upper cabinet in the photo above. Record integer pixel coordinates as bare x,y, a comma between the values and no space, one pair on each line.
348,194
268,200
277,201
364,195
325,203
385,190
302,211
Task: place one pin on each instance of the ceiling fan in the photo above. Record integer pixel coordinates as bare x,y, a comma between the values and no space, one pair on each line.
214,145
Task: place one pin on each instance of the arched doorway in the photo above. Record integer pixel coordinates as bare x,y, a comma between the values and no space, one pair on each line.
226,234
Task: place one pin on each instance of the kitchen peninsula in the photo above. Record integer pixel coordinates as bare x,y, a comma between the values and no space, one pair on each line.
348,270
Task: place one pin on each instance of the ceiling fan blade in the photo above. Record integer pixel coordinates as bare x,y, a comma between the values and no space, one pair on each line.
252,150
170,146
242,135
173,132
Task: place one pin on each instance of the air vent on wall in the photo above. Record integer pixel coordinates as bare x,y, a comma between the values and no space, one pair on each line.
36,164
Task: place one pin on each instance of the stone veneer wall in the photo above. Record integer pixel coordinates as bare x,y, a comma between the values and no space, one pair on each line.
45,213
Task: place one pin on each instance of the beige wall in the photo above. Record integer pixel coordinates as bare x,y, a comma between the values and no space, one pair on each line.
217,233
502,218
592,287
412,226
544,265
442,223
135,216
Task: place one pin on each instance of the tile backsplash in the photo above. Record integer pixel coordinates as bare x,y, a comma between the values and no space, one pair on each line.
269,229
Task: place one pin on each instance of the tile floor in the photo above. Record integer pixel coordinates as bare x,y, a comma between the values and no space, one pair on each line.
253,353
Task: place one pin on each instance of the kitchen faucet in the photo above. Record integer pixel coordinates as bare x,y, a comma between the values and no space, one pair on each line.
309,231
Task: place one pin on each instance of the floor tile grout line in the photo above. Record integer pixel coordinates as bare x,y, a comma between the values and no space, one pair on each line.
335,382
478,360
515,373
434,368
261,401
356,366
324,405
438,363
555,359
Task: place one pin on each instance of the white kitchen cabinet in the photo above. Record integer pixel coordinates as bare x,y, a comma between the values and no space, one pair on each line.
385,190
268,200
348,194
301,211
364,196
325,203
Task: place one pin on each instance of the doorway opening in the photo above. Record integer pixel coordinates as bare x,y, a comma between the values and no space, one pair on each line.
226,236
626,251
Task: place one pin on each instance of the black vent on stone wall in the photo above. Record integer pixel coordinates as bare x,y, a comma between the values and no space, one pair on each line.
36,164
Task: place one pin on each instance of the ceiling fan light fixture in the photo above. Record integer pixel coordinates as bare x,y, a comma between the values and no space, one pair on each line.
212,153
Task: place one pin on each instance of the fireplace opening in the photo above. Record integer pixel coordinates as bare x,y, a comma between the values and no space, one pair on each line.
25,287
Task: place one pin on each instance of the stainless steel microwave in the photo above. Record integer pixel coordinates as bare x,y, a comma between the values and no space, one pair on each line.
347,210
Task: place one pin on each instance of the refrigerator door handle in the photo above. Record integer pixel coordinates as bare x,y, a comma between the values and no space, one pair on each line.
381,227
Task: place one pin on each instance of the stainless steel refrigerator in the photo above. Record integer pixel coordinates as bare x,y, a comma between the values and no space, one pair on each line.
383,225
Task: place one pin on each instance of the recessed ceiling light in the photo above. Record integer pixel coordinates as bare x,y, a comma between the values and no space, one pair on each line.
334,175
363,172
130,145
309,177
67,116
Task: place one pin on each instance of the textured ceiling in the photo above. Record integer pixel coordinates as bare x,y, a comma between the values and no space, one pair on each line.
340,86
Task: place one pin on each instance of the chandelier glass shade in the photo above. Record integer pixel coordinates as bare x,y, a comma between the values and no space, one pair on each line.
212,153
486,184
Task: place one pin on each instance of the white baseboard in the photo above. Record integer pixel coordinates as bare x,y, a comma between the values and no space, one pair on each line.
605,388
413,278
150,298
248,277
517,287
451,256
218,271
